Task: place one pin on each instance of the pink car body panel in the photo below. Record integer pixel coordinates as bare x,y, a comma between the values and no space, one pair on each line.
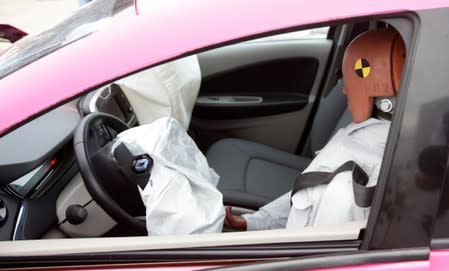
438,261
401,266
164,30
168,29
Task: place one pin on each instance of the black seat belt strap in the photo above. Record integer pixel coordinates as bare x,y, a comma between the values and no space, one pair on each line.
363,195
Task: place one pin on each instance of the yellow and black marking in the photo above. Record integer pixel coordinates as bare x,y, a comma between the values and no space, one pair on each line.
362,68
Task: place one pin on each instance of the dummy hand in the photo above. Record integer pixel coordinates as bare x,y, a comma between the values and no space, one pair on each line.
234,221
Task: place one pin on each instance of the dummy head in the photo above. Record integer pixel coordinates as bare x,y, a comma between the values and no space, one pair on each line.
372,67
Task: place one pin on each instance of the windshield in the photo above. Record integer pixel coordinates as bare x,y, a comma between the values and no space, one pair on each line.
83,22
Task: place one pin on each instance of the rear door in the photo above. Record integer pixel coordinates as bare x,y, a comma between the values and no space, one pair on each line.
261,90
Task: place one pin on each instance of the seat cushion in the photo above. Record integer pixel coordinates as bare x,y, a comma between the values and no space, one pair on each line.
253,174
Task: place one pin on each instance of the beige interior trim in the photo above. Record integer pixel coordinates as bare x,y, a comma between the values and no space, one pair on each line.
97,223
348,231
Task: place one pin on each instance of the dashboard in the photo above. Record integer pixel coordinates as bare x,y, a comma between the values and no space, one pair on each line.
39,177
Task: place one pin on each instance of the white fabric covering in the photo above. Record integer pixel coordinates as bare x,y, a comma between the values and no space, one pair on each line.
169,89
181,196
333,203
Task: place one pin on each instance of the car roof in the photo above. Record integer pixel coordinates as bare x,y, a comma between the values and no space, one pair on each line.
161,31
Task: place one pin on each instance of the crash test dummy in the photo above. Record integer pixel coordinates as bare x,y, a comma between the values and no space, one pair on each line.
372,66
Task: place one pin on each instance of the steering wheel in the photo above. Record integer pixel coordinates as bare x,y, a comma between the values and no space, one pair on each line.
108,174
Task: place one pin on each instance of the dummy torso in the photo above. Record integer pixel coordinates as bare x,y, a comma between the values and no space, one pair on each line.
333,203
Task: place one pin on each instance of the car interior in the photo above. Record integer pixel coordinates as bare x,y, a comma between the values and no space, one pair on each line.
258,109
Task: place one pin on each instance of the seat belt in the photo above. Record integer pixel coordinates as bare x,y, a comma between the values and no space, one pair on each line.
363,195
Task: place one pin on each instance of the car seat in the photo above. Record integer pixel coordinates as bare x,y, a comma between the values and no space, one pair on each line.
252,174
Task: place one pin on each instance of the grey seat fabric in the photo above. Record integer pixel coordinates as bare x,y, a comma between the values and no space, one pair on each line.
332,115
252,174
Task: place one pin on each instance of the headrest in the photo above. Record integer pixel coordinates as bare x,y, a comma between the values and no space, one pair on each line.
372,67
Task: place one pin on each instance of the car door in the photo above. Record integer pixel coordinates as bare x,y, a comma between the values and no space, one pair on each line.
261,90
399,201
408,224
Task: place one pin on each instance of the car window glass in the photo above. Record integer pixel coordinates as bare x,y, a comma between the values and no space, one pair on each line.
83,22
314,33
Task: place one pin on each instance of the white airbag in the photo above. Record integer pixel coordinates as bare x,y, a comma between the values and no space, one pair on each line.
181,196
169,89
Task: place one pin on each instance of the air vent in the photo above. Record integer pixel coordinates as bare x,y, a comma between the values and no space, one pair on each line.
3,212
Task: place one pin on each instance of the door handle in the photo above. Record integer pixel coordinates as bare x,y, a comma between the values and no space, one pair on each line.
228,100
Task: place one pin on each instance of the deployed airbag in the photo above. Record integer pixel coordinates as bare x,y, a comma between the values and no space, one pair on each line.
181,195
169,89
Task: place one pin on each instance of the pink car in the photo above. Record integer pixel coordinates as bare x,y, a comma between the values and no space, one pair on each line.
261,90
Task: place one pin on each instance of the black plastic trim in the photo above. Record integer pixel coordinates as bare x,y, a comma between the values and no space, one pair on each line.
293,75
249,252
12,205
376,211
439,243
405,206
272,104
338,260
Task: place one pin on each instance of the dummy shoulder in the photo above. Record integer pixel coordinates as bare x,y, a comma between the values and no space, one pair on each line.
371,124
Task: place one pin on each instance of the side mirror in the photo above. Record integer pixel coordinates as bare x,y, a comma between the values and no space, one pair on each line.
8,35
11,33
